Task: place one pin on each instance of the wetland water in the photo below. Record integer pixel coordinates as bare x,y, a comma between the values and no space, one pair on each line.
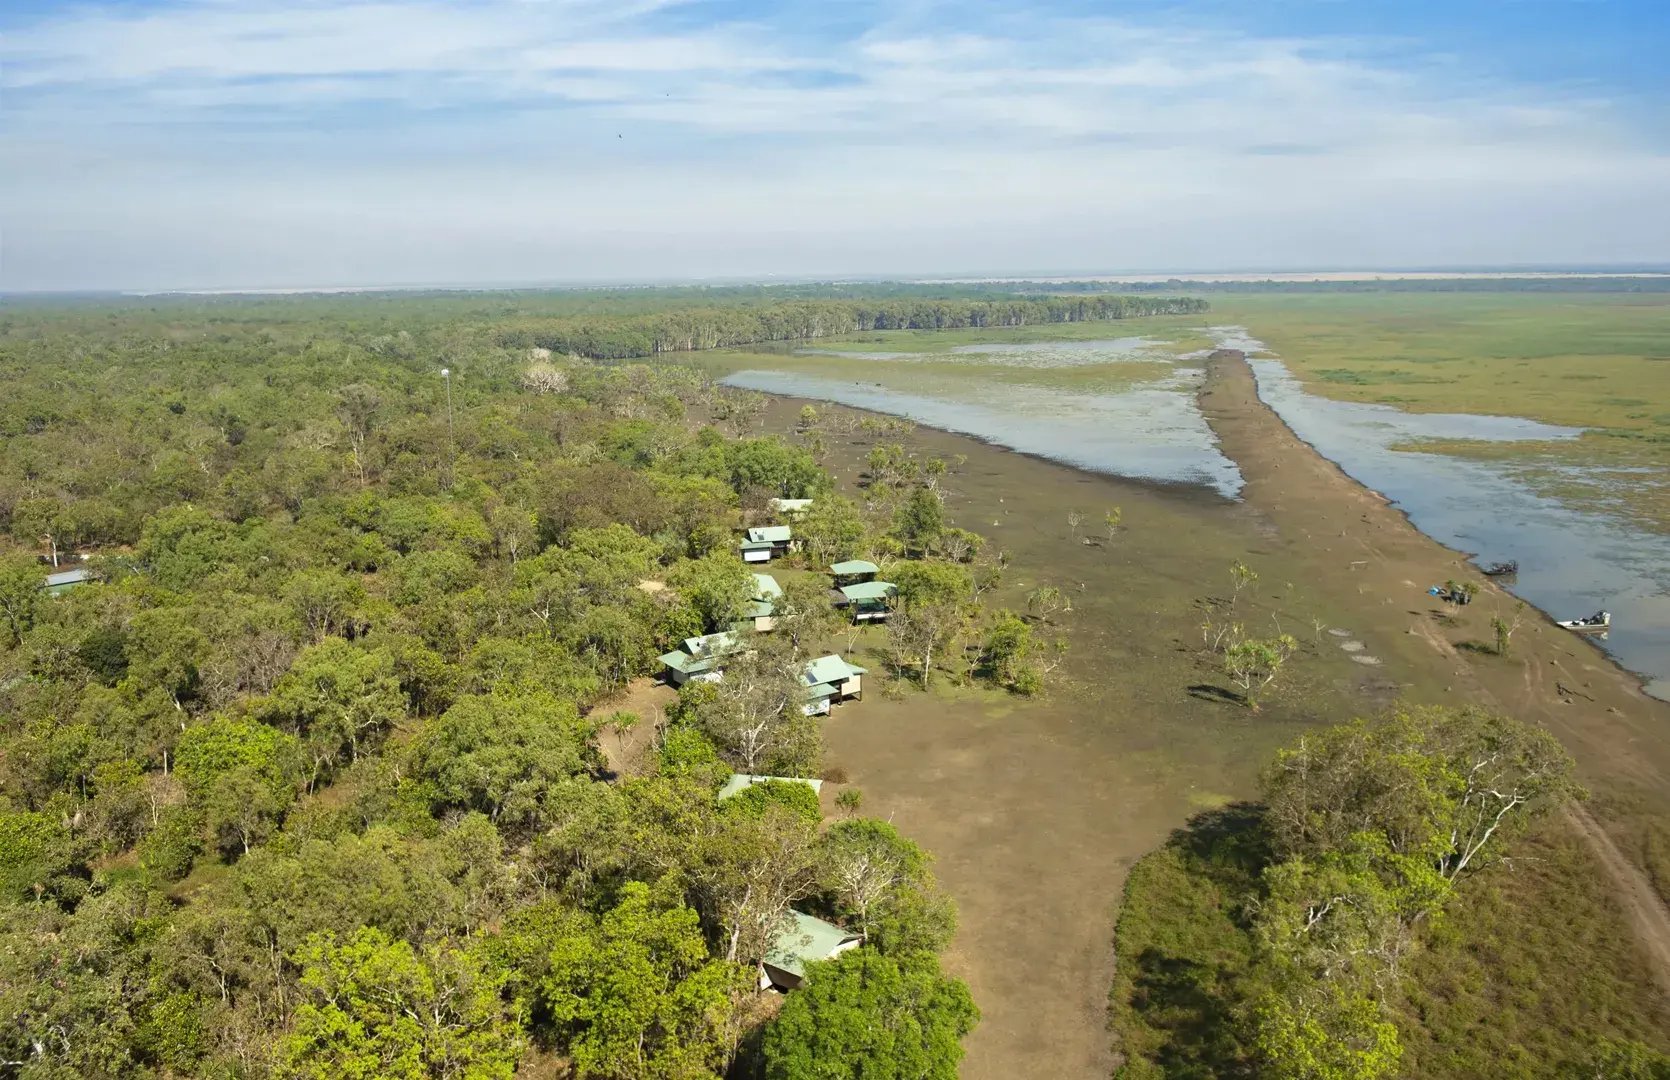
1570,562
1150,428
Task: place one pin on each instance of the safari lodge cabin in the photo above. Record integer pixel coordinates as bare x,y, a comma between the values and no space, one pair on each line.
761,613
830,680
741,781
701,658
63,581
854,571
766,542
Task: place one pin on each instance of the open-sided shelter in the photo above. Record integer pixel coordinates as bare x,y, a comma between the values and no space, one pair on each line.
868,601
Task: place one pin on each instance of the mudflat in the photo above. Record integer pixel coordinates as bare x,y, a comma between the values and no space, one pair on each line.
1036,809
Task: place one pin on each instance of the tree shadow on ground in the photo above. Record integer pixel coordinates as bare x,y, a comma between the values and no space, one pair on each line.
1208,692
1190,1001
1229,844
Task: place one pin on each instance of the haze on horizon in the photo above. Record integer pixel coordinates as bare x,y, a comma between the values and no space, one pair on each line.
158,144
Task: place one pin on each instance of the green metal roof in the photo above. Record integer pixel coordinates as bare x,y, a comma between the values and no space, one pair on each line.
773,534
803,938
687,664
756,545
821,690
831,669
702,653
766,587
738,781
712,644
869,590
854,566
758,609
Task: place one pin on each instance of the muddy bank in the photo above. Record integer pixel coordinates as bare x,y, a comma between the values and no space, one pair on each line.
1571,560
1356,536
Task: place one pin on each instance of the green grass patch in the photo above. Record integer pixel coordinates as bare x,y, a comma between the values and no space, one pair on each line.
1182,950
1534,964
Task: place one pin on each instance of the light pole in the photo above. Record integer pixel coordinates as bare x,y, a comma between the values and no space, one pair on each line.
451,443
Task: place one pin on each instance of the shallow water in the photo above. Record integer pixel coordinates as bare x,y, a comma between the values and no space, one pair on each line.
1151,432
1570,562
1022,353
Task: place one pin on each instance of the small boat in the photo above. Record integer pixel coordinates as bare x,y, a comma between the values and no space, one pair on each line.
1600,620
1501,569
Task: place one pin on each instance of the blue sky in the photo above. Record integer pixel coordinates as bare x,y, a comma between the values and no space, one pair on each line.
272,143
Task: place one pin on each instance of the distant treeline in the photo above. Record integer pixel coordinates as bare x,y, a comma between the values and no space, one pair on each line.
1657,284
619,336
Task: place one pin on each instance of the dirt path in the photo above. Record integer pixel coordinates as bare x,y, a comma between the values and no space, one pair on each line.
1615,731
1646,911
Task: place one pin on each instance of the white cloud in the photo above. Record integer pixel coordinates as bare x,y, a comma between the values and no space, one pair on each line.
241,142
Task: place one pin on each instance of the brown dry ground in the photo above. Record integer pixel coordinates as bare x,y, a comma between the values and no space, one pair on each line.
1035,810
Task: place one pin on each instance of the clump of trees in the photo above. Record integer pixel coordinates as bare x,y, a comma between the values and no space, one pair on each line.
1253,664
1368,834
689,329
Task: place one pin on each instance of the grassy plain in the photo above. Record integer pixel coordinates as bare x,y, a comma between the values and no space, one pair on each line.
1594,360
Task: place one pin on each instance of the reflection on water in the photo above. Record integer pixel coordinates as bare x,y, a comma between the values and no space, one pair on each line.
1570,562
1153,432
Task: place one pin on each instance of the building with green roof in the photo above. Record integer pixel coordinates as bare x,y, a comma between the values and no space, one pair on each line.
830,680
868,601
762,543
700,657
852,571
802,939
761,610
64,580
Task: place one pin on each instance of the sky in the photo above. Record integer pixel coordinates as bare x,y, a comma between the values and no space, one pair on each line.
157,144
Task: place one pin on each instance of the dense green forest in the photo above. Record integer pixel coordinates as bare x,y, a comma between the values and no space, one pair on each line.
313,777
